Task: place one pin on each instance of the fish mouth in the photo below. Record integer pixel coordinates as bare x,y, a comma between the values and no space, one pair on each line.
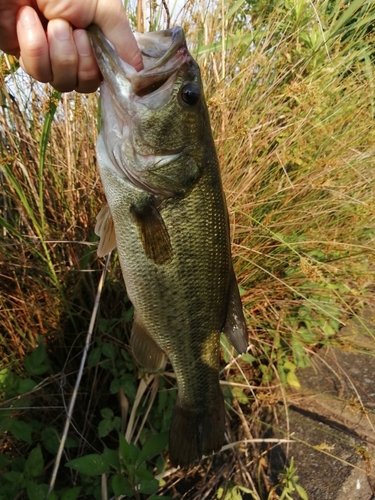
163,53
125,94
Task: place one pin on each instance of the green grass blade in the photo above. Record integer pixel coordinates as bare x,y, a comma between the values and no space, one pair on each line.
231,42
347,15
234,9
54,100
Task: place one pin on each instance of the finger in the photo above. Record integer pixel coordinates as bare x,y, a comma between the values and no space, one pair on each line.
34,56
88,77
79,13
8,32
63,55
115,26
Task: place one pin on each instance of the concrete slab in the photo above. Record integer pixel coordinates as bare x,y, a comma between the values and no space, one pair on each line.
332,417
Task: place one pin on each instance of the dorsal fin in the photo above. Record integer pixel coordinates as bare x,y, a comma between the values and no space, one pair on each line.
105,229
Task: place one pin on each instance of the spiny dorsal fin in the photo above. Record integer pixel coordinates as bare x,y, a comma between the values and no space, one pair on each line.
235,325
105,229
145,349
153,232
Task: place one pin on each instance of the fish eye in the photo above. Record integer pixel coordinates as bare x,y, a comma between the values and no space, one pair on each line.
190,94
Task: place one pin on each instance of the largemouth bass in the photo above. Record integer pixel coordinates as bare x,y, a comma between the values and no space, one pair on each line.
168,217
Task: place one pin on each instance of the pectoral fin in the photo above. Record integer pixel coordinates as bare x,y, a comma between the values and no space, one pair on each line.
105,229
235,325
145,349
153,232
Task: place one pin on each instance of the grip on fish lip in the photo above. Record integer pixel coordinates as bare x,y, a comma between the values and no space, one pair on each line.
100,42
104,49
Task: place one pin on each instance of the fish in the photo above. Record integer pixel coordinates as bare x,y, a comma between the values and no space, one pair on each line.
167,215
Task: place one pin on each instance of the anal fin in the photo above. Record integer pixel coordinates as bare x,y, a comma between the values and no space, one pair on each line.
153,232
105,229
146,351
235,324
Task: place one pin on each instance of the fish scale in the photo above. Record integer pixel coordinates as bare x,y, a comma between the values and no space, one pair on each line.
171,228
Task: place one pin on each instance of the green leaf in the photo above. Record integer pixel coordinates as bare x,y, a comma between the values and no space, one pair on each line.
115,386
50,439
13,476
4,460
116,423
121,486
149,487
143,474
128,315
248,358
288,365
128,385
37,363
106,413
240,395
292,380
226,348
38,491
328,330
106,364
9,383
112,458
71,494
94,357
299,355
18,464
34,463
160,497
161,464
302,493
26,385
245,490
5,375
129,451
91,465
105,427
153,446
52,496
109,350
21,430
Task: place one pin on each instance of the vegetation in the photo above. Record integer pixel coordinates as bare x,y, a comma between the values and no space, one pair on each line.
290,87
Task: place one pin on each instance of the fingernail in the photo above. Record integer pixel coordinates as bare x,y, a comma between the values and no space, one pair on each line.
82,43
61,29
28,18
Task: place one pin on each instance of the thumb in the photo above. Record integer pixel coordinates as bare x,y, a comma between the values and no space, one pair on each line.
112,20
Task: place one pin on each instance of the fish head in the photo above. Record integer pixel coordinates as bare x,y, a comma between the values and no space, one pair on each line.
154,120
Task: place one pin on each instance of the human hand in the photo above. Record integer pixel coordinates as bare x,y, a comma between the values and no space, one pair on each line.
49,38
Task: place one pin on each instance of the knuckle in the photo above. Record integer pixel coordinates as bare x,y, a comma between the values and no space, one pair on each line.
66,86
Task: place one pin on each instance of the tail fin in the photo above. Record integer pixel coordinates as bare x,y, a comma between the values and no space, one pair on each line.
196,432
